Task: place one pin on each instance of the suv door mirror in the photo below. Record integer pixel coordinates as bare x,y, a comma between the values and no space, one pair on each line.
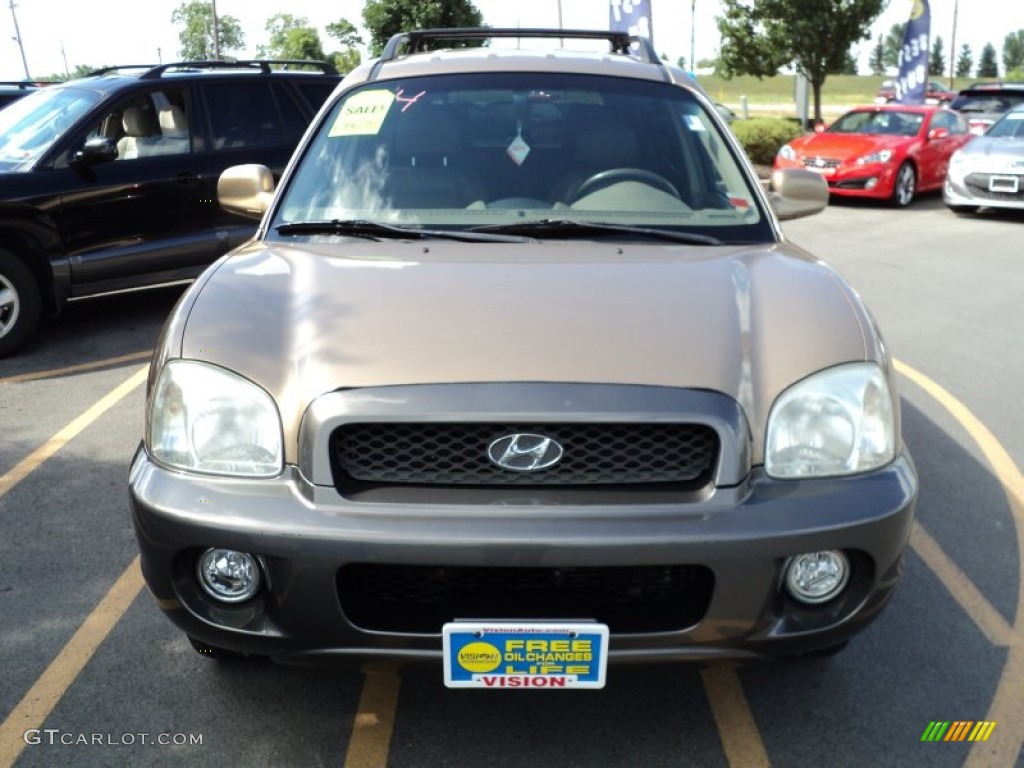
99,149
797,193
246,190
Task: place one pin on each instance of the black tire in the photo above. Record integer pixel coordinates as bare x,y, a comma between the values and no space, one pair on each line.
21,305
213,652
905,188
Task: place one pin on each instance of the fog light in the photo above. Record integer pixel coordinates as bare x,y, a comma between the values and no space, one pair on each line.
816,577
871,183
227,575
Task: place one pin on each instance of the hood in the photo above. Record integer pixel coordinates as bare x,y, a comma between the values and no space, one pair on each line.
846,146
302,321
1008,150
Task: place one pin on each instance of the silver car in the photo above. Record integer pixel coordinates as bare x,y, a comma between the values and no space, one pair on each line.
519,374
989,170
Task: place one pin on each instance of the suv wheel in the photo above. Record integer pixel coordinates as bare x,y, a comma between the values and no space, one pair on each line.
20,303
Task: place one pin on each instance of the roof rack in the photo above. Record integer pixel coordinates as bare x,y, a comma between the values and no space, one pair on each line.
154,72
416,40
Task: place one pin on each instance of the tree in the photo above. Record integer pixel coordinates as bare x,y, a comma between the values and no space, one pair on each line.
1013,51
847,67
877,61
893,43
937,59
291,37
345,32
384,18
197,36
760,36
987,66
965,61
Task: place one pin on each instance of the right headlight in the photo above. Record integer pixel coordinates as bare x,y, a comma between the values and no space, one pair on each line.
207,419
787,152
836,422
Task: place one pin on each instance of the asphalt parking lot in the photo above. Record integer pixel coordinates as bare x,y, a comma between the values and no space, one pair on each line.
94,675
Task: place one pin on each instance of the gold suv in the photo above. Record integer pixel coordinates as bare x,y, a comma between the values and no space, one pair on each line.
520,374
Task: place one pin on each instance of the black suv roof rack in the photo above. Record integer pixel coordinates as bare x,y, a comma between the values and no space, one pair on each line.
265,66
416,41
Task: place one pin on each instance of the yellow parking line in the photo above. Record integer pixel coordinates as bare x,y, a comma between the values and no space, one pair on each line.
973,603
54,373
1007,707
38,703
374,722
740,737
32,462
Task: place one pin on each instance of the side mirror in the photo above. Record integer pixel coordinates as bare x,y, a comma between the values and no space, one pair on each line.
99,149
797,193
938,133
246,190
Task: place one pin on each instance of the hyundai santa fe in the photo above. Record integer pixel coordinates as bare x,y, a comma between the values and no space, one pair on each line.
519,374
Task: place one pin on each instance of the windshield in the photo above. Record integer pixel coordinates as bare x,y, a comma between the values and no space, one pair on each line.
878,121
30,125
1009,126
486,150
987,101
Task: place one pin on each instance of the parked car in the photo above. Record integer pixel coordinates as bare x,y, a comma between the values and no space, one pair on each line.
888,152
981,104
12,90
519,372
989,171
936,93
109,181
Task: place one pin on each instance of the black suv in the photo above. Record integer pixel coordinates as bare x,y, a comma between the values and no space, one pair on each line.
981,104
12,90
109,182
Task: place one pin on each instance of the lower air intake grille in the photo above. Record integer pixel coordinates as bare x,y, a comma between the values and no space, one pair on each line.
421,599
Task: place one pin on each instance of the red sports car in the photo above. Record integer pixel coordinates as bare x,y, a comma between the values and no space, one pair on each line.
889,152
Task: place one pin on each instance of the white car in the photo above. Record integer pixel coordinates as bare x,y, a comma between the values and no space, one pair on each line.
989,170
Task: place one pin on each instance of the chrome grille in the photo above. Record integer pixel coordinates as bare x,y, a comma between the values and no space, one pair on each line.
449,454
821,162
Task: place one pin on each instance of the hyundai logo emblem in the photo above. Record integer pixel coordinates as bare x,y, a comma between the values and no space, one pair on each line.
524,452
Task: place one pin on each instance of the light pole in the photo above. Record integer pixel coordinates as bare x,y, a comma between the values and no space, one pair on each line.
216,33
17,38
693,24
952,46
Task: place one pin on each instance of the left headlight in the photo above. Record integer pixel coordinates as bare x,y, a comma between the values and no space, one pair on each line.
882,156
837,422
206,419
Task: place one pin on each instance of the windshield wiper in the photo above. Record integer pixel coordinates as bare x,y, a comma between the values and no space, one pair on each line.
375,230
567,228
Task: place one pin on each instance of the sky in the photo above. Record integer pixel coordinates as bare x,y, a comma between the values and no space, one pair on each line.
105,32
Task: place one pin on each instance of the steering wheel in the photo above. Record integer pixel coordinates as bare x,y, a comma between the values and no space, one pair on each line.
617,175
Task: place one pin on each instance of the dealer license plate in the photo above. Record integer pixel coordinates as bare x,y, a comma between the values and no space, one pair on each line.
547,654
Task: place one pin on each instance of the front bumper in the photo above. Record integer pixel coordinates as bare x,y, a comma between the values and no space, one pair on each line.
304,534
975,189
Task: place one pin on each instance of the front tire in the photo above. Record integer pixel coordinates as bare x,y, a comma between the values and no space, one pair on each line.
905,188
21,304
